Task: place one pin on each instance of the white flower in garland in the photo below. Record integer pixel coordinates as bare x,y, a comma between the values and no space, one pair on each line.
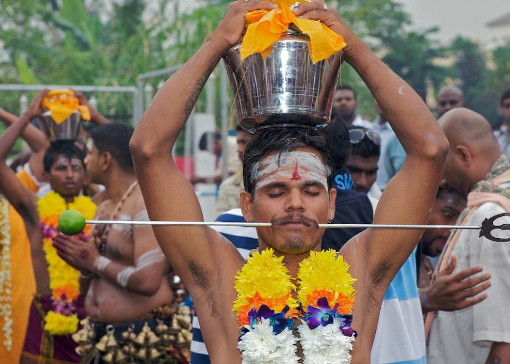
261,345
325,344
5,274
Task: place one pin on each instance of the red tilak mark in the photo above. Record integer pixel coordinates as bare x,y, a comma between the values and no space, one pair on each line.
84,254
295,175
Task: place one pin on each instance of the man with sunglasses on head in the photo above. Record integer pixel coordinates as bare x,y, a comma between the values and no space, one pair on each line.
503,134
363,161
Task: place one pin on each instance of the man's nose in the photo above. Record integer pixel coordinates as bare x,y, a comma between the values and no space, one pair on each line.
294,200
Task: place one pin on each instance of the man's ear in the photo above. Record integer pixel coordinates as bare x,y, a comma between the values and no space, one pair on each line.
246,205
332,204
105,161
464,155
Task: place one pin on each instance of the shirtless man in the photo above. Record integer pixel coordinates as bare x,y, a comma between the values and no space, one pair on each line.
207,262
124,274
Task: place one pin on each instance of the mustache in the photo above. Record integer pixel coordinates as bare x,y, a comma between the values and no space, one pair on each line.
295,218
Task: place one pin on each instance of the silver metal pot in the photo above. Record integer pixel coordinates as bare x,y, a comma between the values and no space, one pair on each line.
69,129
284,89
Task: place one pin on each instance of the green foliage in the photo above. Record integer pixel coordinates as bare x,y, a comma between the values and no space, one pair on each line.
76,42
474,77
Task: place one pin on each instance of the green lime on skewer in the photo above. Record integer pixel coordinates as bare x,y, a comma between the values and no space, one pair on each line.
71,222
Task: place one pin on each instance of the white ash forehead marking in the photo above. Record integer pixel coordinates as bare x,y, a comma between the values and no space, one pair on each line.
306,164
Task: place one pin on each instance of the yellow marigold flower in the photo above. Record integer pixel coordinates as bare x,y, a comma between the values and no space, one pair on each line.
58,324
325,272
264,275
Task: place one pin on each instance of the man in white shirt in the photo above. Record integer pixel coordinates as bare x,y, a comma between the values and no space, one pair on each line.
345,103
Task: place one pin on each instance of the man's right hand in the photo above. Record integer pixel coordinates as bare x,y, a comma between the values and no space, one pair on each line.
34,109
452,292
232,26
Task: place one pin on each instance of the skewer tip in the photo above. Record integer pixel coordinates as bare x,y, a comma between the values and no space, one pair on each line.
71,222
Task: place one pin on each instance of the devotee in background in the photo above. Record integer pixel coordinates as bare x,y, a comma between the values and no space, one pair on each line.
449,291
230,189
477,169
345,104
449,97
18,275
47,340
446,210
381,125
503,134
364,159
123,272
267,197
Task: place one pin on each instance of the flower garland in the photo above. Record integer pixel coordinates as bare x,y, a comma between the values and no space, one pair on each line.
266,311
5,273
62,319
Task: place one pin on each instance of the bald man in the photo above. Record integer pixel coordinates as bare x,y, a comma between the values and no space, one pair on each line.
476,168
449,97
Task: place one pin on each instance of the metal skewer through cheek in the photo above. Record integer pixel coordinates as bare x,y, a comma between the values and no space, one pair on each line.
268,224
486,229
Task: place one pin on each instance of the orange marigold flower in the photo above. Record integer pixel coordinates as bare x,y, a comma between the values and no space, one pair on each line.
70,293
345,302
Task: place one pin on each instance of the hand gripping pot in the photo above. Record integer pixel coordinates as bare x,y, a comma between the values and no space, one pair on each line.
66,129
286,88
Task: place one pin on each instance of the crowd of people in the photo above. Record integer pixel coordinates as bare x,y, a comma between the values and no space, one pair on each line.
121,293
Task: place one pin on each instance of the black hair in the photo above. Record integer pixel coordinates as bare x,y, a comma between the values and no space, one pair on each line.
65,148
202,144
114,138
337,136
505,95
347,87
282,140
365,148
444,191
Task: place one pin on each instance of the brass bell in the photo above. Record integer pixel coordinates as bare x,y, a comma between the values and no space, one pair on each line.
111,342
181,341
108,358
188,335
120,356
161,328
141,354
140,339
152,338
82,349
125,335
130,349
154,353
101,345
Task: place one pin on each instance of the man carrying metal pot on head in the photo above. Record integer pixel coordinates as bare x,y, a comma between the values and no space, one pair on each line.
288,182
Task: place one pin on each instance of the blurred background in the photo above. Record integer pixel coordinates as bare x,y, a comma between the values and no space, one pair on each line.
130,47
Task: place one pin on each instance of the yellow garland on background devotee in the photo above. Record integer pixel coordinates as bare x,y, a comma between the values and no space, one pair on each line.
5,274
63,278
266,27
62,103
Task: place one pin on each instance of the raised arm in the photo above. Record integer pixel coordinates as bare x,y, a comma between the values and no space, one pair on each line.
167,193
410,194
95,116
35,138
22,199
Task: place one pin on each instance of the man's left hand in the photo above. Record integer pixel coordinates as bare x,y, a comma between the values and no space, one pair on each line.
79,253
